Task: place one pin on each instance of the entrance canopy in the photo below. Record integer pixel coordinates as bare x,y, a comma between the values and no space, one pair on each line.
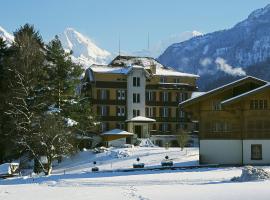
141,119
115,134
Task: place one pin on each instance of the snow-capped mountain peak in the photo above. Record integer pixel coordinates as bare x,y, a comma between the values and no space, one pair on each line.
85,51
9,38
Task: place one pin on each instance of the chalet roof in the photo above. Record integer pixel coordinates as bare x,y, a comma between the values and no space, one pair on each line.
221,88
241,96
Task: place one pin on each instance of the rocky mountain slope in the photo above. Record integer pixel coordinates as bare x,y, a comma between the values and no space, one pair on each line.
226,53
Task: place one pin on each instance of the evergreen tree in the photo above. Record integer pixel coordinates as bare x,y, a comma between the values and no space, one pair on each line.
5,143
25,104
63,75
64,80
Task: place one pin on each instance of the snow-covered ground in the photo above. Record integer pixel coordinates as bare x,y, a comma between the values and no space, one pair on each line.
80,184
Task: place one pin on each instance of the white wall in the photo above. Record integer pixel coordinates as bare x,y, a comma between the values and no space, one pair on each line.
265,151
136,72
221,151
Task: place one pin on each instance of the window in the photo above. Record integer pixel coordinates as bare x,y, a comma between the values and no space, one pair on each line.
104,94
256,152
150,96
120,126
136,98
182,96
219,126
164,112
163,79
181,114
120,111
177,80
258,104
121,94
136,81
104,111
149,111
164,127
165,96
136,113
217,105
104,126
183,126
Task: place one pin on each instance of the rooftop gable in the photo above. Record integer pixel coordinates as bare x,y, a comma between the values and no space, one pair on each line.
246,94
223,88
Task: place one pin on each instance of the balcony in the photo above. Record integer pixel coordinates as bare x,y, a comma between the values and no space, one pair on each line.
161,103
112,118
109,102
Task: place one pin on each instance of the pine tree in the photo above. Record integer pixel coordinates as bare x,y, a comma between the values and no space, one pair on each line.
5,143
64,79
25,104
63,74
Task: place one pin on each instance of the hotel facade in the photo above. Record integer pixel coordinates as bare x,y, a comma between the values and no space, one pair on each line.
141,96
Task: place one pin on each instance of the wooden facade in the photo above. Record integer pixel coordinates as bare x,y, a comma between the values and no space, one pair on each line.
239,111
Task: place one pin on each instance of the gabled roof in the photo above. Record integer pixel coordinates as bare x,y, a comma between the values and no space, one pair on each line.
221,88
241,96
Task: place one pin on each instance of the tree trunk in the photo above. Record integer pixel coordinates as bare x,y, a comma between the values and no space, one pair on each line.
49,166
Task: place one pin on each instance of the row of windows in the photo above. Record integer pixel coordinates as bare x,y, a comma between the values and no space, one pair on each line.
164,127
254,105
164,79
149,111
165,96
258,104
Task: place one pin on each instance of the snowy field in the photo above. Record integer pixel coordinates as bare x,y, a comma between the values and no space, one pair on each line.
80,184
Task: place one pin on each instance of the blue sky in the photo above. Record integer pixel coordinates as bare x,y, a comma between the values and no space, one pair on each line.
105,20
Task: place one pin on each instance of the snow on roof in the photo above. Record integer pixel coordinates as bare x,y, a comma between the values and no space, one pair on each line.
196,94
141,119
122,64
222,87
246,94
109,69
117,132
166,71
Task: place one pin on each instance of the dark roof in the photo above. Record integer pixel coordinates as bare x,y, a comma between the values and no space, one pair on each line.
221,88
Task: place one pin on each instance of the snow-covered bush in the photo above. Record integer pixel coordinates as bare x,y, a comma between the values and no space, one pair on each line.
250,173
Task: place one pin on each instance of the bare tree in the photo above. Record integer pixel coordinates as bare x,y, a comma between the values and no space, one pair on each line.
182,138
55,139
